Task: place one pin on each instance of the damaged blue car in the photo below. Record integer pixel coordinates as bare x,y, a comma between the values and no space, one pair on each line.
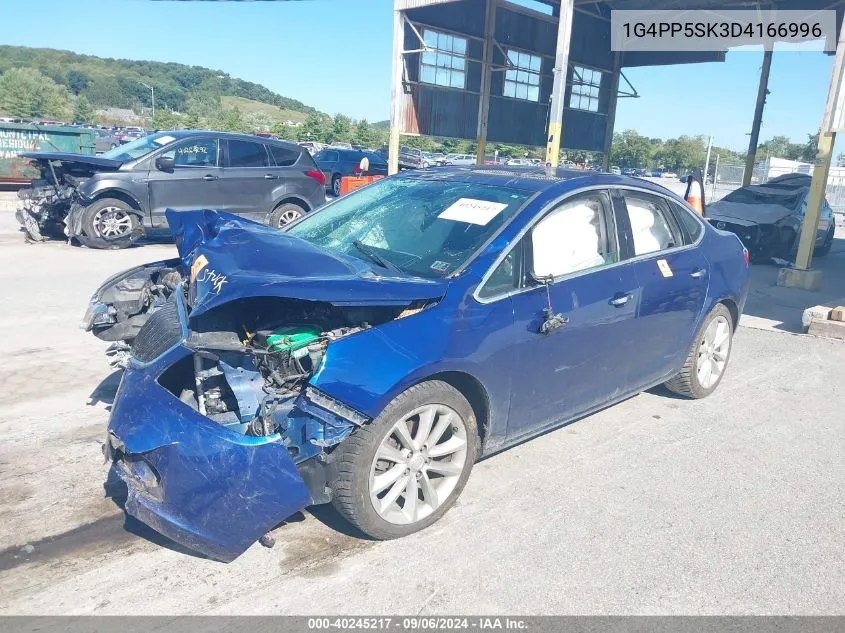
371,352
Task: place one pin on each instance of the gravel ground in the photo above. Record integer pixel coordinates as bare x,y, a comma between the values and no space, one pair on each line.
729,505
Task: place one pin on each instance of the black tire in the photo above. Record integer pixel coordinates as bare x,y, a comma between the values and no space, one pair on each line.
828,242
354,458
336,184
91,225
687,383
284,214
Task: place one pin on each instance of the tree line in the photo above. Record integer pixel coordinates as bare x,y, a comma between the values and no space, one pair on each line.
686,153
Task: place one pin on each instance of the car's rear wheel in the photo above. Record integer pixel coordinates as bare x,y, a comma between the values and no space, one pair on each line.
285,214
824,249
336,184
404,470
109,223
707,360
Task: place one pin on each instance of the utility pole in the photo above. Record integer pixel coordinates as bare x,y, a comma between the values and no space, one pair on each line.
707,162
396,90
762,91
561,72
153,91
486,75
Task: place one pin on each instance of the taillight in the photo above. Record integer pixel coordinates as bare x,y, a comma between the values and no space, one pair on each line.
318,176
746,256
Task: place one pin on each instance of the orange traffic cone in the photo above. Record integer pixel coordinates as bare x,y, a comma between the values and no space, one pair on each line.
695,194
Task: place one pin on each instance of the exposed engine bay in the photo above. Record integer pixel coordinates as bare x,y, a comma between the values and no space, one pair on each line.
46,203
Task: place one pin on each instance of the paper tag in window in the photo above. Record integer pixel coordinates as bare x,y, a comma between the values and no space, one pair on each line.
164,140
664,268
473,211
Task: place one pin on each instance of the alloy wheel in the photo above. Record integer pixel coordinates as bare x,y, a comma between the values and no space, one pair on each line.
112,222
418,464
713,352
336,186
289,216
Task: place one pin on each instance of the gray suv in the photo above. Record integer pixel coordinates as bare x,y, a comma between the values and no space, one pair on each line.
111,200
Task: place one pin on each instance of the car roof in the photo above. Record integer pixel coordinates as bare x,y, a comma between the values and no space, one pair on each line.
229,135
535,178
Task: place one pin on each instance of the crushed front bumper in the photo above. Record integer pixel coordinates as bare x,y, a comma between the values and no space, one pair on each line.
204,486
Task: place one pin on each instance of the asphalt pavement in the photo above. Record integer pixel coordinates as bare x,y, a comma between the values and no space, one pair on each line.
730,505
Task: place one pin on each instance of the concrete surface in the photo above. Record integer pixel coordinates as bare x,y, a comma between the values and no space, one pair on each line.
729,505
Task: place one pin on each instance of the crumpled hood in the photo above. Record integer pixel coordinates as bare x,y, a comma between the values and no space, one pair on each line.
768,203
748,213
104,164
232,258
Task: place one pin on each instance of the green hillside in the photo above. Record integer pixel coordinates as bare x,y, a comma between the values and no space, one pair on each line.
272,112
117,83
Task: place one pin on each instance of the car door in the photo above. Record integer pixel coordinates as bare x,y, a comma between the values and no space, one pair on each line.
587,304
193,183
248,181
673,276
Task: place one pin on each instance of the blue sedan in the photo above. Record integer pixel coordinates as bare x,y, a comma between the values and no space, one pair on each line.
370,353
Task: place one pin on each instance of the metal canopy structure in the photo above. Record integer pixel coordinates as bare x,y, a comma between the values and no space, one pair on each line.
486,69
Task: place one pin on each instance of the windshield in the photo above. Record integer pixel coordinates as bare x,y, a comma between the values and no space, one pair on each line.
138,147
423,227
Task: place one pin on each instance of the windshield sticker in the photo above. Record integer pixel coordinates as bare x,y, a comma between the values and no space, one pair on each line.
663,265
164,140
473,211
199,263
440,267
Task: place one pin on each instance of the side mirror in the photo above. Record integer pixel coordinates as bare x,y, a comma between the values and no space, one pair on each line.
364,165
165,164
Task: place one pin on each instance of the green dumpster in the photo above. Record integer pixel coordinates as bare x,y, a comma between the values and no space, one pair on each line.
19,138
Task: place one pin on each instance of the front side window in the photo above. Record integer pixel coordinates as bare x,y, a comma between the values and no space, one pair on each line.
424,227
326,156
504,278
651,227
586,85
195,152
445,65
572,238
246,154
522,79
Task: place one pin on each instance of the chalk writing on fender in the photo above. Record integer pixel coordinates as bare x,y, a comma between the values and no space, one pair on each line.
213,277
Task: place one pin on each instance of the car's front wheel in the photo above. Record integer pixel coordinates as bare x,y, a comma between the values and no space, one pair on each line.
824,249
109,223
707,360
404,470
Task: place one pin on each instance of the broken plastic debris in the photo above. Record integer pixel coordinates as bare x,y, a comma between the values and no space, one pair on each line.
28,549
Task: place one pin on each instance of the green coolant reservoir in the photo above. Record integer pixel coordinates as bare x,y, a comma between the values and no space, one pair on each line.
294,339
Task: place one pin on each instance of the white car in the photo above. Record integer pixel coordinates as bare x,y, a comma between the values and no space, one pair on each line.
460,159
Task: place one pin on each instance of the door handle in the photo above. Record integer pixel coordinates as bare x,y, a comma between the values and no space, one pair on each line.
620,300
270,177
698,273
209,177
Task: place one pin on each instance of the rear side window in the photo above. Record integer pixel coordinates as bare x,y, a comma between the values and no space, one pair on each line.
692,227
652,228
283,156
246,154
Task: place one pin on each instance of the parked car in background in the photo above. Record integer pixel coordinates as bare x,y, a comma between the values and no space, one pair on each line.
108,201
519,161
461,159
372,352
409,157
312,148
336,163
104,140
616,171
767,218
431,159
129,134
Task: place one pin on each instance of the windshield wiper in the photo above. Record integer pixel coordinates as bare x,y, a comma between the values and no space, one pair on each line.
374,256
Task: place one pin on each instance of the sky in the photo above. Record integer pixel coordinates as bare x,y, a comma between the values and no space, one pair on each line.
335,56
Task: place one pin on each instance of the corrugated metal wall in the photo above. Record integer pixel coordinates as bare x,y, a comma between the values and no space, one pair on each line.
440,111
